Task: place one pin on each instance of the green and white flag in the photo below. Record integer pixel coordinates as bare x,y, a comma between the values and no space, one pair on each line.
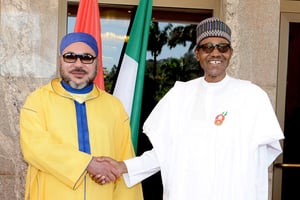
130,81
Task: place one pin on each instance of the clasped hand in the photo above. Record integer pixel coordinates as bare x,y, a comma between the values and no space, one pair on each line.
105,170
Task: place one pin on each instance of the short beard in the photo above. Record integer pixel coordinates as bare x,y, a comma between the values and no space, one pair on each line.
68,80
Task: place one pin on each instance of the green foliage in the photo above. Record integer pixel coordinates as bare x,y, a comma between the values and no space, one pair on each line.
181,35
165,72
110,78
157,38
171,70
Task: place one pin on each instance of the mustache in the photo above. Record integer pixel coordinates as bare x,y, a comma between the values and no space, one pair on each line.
78,69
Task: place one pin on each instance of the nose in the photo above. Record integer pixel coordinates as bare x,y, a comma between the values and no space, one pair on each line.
78,61
215,51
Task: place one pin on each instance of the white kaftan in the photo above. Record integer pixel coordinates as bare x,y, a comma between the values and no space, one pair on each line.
201,160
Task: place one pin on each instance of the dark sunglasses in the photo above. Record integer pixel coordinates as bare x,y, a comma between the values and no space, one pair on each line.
85,58
209,47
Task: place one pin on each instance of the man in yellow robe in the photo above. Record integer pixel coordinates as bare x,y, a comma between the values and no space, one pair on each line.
66,124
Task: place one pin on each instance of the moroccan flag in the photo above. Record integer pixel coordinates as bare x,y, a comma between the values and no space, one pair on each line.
88,21
130,81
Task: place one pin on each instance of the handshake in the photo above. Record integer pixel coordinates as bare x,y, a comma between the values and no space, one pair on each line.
105,169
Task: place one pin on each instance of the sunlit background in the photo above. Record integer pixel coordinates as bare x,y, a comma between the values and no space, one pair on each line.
113,33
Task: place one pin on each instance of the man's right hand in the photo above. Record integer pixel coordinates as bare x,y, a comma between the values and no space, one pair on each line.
119,165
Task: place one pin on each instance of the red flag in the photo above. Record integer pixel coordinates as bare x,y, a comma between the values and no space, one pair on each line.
88,21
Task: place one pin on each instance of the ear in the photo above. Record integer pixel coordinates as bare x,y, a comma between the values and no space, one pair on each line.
196,52
231,52
59,62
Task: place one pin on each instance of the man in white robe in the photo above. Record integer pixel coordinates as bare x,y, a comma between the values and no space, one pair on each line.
213,137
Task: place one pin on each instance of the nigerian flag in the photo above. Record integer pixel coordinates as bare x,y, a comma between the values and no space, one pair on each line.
130,81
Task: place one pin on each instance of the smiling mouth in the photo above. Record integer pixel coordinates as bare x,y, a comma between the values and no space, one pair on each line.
215,62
